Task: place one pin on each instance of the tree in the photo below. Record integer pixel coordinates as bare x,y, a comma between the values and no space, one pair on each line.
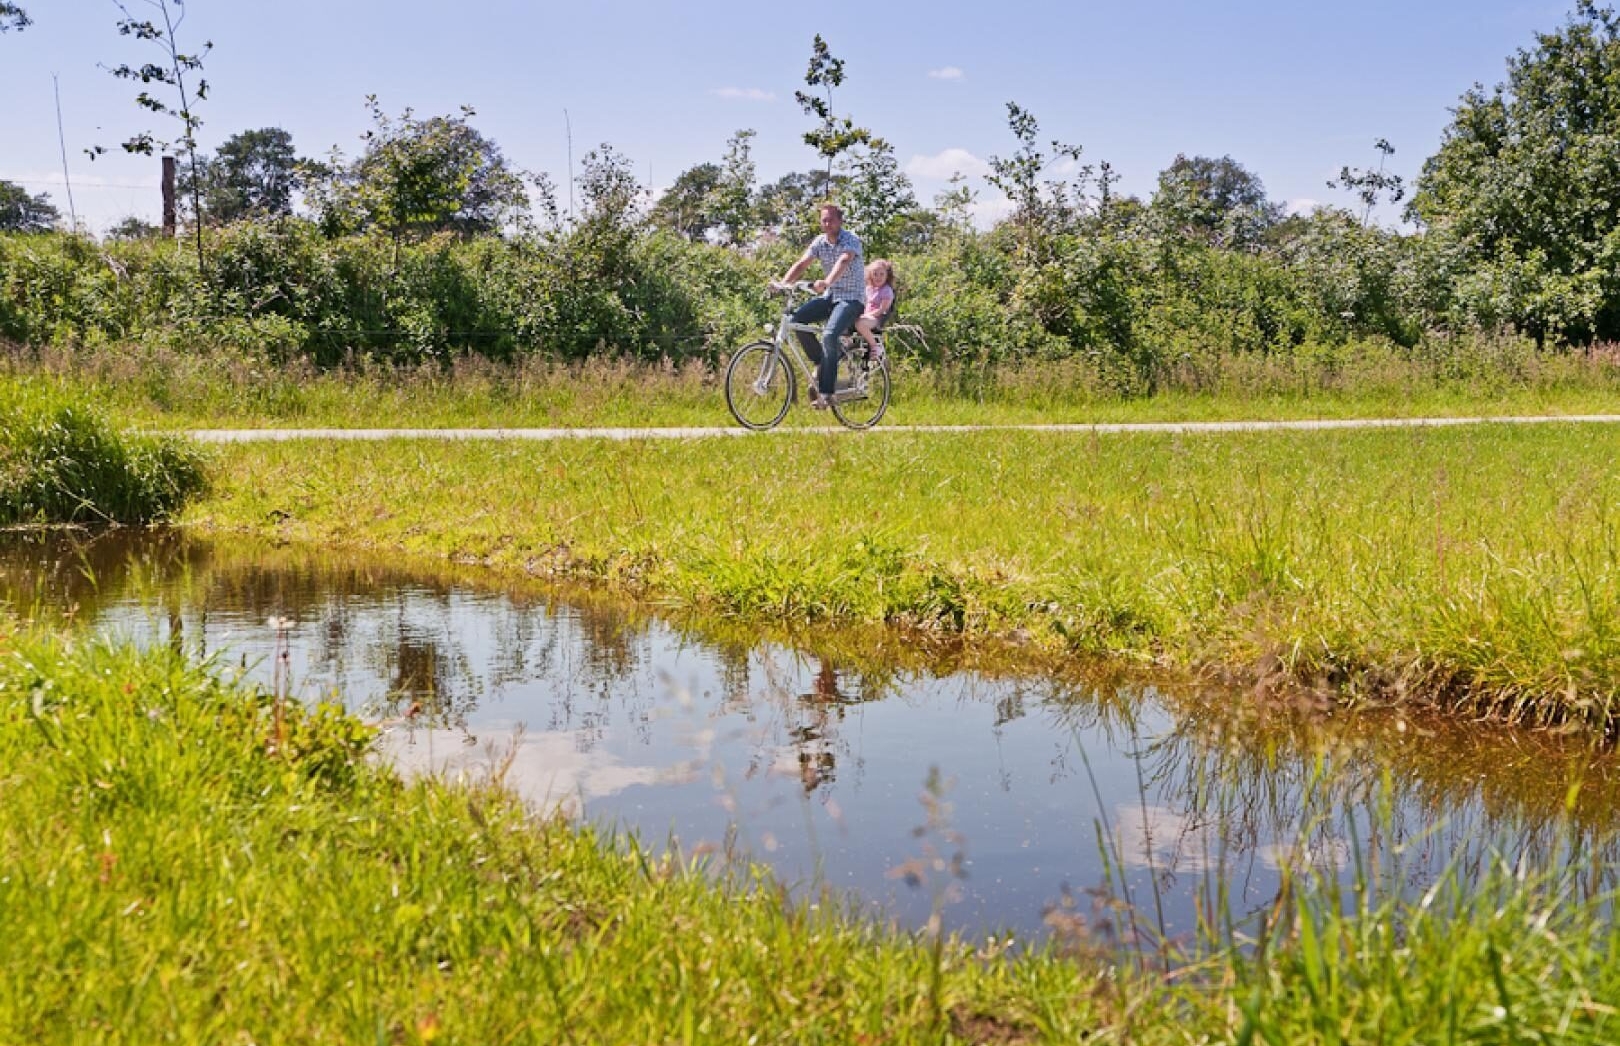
20,212
608,185
599,252
954,205
133,228
685,205
1525,183
252,176
1368,184
833,135
417,177
1042,207
12,17
879,197
163,33
787,206
1218,202
732,199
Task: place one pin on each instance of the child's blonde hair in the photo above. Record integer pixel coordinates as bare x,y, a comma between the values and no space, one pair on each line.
888,268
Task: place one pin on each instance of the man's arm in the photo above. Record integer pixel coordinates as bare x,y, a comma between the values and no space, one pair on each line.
838,268
798,268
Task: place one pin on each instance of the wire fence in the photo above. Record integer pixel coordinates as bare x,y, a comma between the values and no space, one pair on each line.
327,342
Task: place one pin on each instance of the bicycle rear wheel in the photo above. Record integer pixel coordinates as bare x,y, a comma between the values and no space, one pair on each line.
759,386
863,406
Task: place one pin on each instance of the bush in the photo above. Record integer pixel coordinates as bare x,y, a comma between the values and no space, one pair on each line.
282,288
62,462
1129,300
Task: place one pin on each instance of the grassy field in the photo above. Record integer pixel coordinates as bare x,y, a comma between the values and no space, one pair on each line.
1477,568
182,861
1472,568
165,389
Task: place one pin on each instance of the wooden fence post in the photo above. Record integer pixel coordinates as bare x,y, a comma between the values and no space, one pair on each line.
168,197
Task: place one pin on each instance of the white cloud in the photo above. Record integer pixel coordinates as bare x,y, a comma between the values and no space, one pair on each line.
746,94
950,72
985,213
942,165
1151,835
1325,855
547,768
1303,205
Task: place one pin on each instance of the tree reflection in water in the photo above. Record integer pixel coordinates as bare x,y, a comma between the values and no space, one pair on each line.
1191,791
815,739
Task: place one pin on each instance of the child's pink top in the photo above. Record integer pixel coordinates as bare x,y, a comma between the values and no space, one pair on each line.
878,302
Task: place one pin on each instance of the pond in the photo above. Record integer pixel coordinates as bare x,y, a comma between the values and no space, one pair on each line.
1082,803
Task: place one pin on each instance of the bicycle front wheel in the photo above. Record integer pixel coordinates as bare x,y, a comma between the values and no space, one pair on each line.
862,406
759,386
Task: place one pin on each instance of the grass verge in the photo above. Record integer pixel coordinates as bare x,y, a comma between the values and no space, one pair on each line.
159,388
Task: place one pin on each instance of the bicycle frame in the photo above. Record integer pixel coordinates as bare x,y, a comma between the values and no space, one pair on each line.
760,379
787,334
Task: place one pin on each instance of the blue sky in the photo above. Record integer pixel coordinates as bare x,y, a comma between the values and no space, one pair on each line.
1291,91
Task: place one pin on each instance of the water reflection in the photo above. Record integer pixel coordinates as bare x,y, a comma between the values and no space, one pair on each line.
1050,790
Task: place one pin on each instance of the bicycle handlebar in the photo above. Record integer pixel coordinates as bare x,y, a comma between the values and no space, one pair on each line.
797,287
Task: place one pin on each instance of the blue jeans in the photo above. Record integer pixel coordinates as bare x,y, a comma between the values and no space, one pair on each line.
840,317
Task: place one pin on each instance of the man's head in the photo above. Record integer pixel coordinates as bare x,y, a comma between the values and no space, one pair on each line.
832,220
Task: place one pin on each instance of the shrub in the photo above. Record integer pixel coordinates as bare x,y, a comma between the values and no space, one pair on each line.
62,462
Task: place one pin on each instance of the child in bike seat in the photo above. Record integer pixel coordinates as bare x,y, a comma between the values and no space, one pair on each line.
879,300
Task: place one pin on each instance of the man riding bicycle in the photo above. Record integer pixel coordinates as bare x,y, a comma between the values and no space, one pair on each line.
843,296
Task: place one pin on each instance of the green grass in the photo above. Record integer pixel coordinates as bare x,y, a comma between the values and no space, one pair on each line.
165,389
1510,958
62,461
172,873
1477,568
175,866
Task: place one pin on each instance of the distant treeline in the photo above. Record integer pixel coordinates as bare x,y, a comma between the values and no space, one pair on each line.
1131,301
284,287
429,244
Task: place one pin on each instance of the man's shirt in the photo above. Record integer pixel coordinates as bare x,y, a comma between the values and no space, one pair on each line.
851,286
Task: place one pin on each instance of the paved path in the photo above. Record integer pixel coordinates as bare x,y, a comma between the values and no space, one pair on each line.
264,435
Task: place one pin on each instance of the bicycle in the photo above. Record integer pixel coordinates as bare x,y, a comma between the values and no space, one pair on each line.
761,380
